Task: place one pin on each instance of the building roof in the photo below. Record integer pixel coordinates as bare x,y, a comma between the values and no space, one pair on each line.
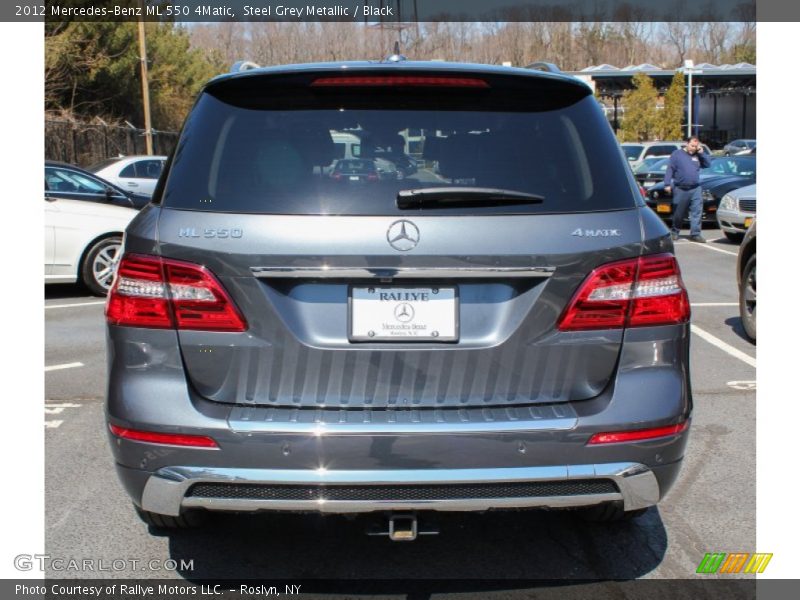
605,70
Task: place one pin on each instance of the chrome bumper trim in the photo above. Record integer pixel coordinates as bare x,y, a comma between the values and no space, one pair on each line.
335,272
166,489
329,421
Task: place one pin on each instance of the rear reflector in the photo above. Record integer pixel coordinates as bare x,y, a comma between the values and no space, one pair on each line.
631,293
172,439
155,292
399,80
638,435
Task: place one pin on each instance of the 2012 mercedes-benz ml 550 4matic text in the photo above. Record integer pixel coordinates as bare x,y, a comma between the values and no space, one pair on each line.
505,327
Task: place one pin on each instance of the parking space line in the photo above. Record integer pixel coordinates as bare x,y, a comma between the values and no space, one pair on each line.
47,307
707,246
64,366
57,409
694,304
746,358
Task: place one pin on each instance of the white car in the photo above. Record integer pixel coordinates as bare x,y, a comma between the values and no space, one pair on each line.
133,173
82,241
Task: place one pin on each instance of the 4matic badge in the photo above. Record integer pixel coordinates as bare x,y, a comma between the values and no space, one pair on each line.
596,232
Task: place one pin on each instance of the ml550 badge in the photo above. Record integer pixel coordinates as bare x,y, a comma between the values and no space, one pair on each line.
210,232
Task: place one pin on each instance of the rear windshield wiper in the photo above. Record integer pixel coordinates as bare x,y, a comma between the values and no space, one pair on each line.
463,196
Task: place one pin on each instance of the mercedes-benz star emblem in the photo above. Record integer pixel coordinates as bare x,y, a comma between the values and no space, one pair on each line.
404,312
403,235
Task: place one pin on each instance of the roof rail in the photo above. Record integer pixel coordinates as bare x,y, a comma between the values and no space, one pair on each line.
544,66
243,65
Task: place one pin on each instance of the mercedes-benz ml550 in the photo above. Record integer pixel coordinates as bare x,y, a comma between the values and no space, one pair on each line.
505,327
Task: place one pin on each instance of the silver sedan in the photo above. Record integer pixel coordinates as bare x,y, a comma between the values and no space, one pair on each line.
737,210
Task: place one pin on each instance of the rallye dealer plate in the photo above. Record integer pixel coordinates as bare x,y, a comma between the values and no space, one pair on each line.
403,314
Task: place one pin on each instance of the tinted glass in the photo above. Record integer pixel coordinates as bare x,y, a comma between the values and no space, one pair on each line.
660,150
632,152
148,169
660,166
68,181
129,171
283,161
744,166
652,164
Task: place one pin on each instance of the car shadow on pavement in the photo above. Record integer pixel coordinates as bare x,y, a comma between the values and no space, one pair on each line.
735,323
510,549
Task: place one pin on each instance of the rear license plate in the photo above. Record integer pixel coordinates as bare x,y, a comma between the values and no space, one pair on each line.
664,208
747,222
648,184
403,314
353,177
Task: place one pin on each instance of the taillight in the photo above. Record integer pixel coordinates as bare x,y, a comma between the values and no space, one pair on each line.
155,292
372,177
399,80
631,293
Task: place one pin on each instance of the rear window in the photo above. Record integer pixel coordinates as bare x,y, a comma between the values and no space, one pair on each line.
632,152
663,150
103,164
249,151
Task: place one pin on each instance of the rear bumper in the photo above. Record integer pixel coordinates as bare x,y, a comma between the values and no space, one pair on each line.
169,490
318,449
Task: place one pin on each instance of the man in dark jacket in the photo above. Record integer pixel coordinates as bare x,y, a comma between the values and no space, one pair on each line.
683,179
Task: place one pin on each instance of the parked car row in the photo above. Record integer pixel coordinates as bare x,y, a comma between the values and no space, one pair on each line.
738,147
638,152
725,175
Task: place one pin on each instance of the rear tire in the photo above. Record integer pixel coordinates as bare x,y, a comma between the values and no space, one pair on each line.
612,512
97,270
186,520
747,299
734,237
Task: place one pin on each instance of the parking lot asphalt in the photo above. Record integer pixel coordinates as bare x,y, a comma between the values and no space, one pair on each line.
711,508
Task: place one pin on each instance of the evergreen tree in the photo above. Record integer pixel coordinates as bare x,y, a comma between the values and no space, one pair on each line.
93,69
671,117
640,118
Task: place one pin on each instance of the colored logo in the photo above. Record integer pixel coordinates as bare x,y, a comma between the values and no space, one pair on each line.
735,562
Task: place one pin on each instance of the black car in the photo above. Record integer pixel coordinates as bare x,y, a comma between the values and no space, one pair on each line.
725,174
650,173
746,278
63,180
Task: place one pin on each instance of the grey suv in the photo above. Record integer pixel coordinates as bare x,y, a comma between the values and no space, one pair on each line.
505,327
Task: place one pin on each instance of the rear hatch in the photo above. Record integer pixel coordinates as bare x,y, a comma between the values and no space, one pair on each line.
442,288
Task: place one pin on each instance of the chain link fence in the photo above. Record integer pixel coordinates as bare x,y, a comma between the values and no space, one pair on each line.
81,143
